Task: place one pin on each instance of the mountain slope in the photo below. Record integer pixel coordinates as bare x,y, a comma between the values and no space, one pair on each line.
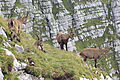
55,64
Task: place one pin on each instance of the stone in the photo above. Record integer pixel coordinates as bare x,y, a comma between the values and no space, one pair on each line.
56,45
1,74
19,49
16,64
3,31
1,14
25,76
76,38
80,37
6,44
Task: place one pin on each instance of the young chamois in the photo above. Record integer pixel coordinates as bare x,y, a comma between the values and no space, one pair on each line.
16,25
93,53
63,38
39,43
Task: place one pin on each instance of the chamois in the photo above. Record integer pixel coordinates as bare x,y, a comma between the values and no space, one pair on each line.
63,38
39,43
93,53
25,19
19,17
16,24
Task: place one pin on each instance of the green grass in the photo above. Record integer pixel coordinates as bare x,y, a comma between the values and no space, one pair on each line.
51,65
18,4
68,5
55,10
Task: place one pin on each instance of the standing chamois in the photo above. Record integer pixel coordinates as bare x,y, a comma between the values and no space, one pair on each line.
93,53
39,43
16,25
63,38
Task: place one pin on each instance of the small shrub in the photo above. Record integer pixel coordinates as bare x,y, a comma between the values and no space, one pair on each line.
33,70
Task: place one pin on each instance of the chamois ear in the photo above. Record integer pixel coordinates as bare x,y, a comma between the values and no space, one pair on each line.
19,16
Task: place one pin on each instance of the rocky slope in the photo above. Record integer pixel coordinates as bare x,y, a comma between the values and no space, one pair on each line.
96,23
23,61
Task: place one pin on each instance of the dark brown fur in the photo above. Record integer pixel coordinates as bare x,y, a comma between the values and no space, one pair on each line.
63,38
15,25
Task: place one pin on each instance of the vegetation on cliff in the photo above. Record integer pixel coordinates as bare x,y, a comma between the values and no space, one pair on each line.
55,64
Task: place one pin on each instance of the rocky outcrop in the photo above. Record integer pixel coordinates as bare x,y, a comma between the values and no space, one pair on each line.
2,31
18,69
89,18
20,49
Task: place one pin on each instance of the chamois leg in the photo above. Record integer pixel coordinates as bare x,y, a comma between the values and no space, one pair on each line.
11,36
66,47
18,35
61,45
42,49
15,38
11,33
85,58
16,29
95,63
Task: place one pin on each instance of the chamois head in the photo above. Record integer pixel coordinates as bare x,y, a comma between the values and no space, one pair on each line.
24,18
106,49
72,33
39,40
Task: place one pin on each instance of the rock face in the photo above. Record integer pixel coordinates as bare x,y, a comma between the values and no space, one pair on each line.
1,75
2,31
90,18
